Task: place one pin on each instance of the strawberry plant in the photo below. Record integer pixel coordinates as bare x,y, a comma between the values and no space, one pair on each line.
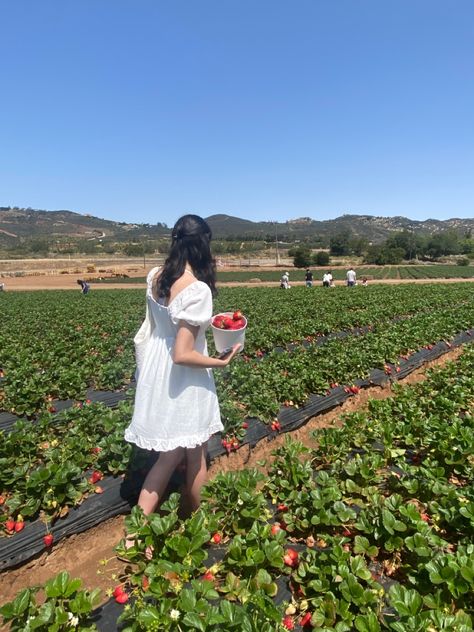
66,606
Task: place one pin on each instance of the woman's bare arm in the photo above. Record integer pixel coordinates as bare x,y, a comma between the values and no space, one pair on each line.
185,354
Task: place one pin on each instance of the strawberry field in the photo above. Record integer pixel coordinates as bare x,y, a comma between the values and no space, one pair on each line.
370,531
437,271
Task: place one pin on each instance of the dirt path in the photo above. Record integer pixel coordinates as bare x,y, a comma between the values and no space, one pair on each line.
69,282
83,555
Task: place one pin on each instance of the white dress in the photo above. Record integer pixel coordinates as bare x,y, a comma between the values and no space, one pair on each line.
175,405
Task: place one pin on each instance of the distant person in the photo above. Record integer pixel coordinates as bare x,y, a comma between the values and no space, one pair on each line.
85,287
285,281
308,277
351,277
327,279
2,287
365,281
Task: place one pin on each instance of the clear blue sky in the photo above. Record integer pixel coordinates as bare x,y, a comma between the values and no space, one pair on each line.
142,110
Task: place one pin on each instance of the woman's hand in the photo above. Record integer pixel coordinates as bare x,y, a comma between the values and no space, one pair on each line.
232,353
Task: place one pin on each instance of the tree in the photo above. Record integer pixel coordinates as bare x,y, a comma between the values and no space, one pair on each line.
413,245
444,243
339,244
383,255
321,258
301,257
358,246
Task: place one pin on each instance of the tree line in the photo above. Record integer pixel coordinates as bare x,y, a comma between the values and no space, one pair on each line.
401,246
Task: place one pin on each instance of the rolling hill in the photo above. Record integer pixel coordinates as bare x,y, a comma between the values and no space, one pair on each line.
18,225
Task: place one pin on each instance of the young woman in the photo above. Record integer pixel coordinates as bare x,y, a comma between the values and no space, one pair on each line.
176,407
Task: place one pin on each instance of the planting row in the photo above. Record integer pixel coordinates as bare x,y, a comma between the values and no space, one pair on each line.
439,271
260,386
370,531
70,342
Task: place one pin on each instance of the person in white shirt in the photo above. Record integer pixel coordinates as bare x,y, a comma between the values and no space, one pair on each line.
285,281
327,278
351,277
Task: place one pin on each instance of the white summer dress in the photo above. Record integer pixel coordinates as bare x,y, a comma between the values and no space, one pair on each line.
175,405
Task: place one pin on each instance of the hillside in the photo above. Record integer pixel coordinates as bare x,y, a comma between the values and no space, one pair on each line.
375,229
18,225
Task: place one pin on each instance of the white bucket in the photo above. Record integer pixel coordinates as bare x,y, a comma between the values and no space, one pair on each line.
225,338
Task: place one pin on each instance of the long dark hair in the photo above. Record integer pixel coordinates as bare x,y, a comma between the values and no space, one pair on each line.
190,243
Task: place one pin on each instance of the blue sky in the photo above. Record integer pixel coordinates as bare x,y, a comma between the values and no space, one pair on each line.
144,110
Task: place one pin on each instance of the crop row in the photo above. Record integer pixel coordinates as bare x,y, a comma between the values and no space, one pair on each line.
259,387
70,343
370,531
439,271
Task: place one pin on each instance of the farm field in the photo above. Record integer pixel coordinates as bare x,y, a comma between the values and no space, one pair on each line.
370,520
438,271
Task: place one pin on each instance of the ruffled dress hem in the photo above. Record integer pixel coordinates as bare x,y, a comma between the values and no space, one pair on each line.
165,445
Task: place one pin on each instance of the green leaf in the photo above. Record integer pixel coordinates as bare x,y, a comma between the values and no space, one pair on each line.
367,623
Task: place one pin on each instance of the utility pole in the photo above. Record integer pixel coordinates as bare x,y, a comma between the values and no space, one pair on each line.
277,253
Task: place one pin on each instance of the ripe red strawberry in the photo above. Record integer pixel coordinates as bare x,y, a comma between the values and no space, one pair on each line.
237,315
48,540
245,425
118,590
288,623
2,500
96,450
293,554
216,538
19,526
425,517
291,558
275,528
347,533
208,577
276,426
306,620
218,321
282,507
334,385
354,389
228,322
96,476
10,524
51,409
122,598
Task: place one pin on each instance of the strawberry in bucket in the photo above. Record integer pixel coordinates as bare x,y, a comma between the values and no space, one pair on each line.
228,328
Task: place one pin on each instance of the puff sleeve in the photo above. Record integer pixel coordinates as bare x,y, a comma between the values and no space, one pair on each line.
193,305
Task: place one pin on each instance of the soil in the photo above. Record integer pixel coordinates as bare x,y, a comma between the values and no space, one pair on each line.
82,555
69,282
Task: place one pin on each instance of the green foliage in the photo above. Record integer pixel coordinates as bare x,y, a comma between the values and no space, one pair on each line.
301,256
66,607
321,258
